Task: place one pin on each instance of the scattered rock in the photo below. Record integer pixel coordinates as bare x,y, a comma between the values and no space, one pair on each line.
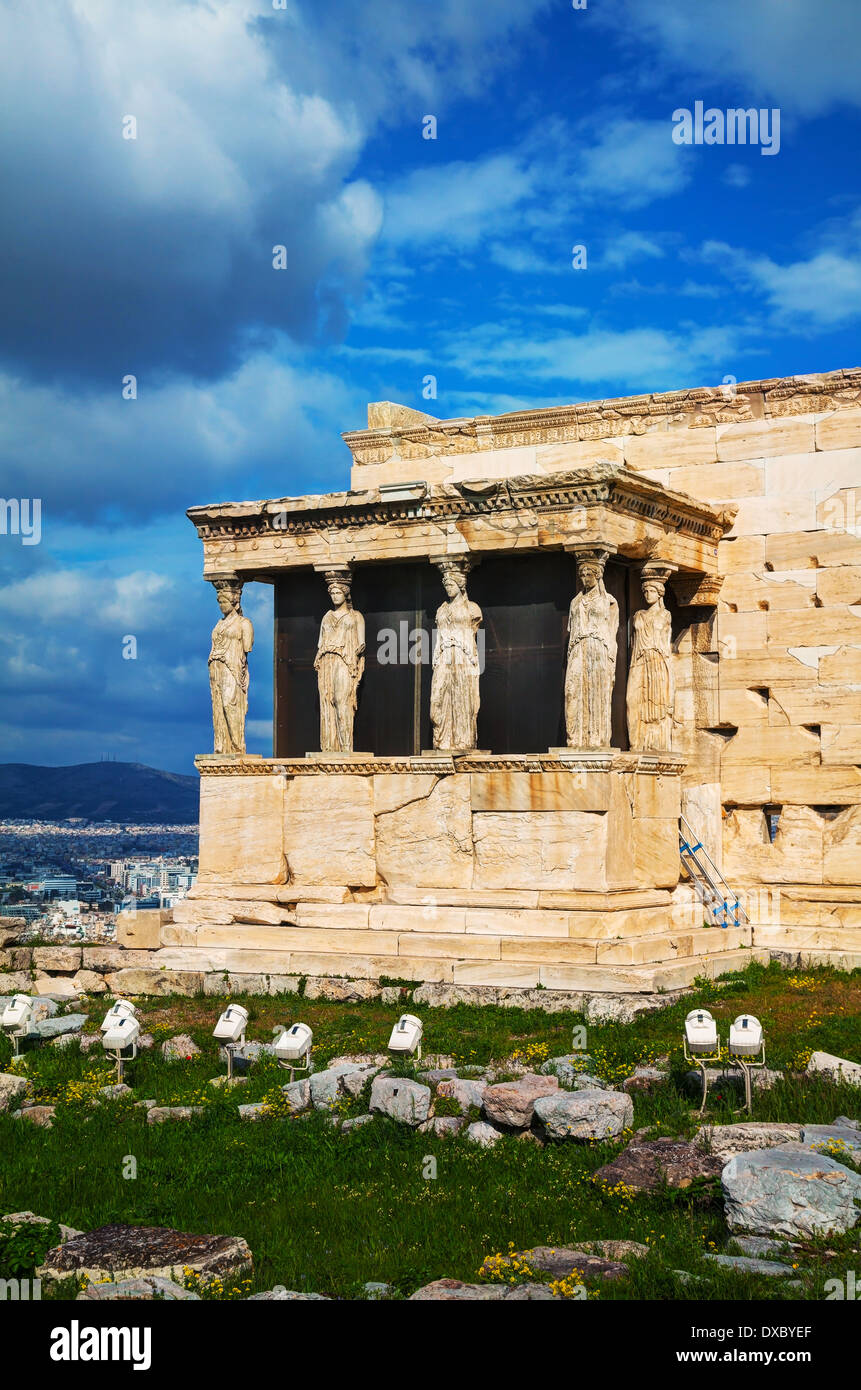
834,1136
407,1101
624,1008
298,1095
646,1166
11,1088
119,1252
61,1025
29,1218
374,1290
338,990
837,1068
55,987
452,1290
465,1093
180,1048
747,1265
483,1134
157,1114
228,1082
587,1114
759,1246
41,1115
789,1191
359,1060
327,1087
645,1079
614,1249
512,1103
560,1261
567,1067
355,1123
437,1074
90,982
282,1295
145,1289
253,1112
843,1122
726,1140
116,1091
443,1124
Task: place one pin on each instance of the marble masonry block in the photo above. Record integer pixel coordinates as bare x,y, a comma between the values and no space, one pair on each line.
620,869
329,830
842,848
764,516
544,849
795,856
494,921
771,591
753,439
461,947
427,918
363,967
656,851
141,929
241,830
540,791
610,924
839,430
841,743
550,952
654,795
842,667
842,584
771,745
356,915
702,808
515,974
813,548
720,481
423,829
195,911
824,473
740,633
741,554
676,449
817,627
816,786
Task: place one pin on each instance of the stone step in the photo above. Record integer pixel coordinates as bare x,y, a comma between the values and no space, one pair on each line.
792,938
670,946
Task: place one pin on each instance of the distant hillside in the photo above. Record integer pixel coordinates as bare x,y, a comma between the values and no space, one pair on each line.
128,792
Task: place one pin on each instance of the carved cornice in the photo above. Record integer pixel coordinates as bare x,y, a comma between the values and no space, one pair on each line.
608,484
648,764
605,419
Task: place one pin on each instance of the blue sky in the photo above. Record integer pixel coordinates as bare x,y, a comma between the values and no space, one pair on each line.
303,126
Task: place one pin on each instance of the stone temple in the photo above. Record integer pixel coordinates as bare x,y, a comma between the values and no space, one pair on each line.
567,698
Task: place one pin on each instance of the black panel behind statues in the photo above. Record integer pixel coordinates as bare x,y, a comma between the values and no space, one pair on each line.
524,600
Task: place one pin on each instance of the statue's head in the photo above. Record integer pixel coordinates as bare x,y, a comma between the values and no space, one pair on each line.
454,574
229,595
338,593
653,591
590,575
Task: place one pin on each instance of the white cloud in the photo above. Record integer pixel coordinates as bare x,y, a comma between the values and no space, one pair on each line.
630,246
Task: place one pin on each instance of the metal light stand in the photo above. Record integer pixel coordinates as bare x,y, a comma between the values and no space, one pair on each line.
122,1060
701,1061
293,1067
231,1048
746,1064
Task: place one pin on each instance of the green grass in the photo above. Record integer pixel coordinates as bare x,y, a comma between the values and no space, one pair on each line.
326,1212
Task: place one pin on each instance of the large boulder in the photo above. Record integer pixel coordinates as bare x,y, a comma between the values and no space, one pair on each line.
331,1085
834,1140
407,1101
558,1261
511,1103
454,1291
29,1218
60,1025
179,1049
466,1094
836,1068
790,1191
646,1166
588,1114
158,1114
483,1134
12,1088
118,1252
148,1289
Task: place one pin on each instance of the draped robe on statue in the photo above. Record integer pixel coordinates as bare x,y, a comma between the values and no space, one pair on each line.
232,640
650,682
340,664
455,700
593,623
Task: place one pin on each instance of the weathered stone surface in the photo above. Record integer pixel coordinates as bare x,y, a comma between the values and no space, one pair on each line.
567,1067
356,1122
614,1249
60,1025
11,929
119,1252
465,1093
407,1101
560,1261
141,929
424,830
745,1264
453,1291
646,1166
180,1048
158,1114
58,960
586,1114
726,1140
789,1191
41,1115
835,1140
443,1124
326,1087
55,987
142,1290
131,982
759,1246
645,1079
282,1295
89,982
483,1134
348,991
838,1068
511,1103
298,1095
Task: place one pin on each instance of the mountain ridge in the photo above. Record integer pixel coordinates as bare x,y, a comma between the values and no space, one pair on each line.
130,793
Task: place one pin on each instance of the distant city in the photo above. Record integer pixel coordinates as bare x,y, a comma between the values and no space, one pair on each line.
70,878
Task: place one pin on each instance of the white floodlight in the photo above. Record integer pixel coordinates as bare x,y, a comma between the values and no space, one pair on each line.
17,1019
702,1044
407,1035
293,1047
121,1039
747,1049
745,1036
123,1008
230,1030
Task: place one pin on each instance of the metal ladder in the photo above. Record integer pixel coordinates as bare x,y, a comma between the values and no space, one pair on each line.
712,889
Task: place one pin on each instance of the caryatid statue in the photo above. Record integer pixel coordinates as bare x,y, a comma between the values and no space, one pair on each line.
340,664
593,626
454,699
651,690
232,640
